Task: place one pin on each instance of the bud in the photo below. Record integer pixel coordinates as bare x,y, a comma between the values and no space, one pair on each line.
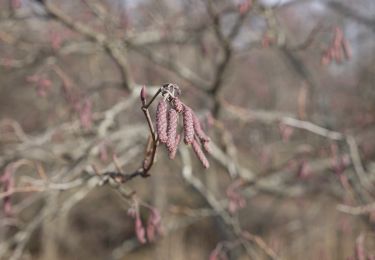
172,128
143,95
146,162
188,125
198,151
162,121
236,200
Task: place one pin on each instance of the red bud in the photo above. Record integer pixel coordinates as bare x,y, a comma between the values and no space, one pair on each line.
143,94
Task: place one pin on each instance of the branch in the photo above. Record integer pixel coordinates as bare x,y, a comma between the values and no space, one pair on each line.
216,205
114,48
365,209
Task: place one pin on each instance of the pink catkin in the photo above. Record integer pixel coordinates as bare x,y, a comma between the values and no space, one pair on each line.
188,125
162,121
198,151
151,232
140,230
172,153
177,104
153,225
206,146
172,129
338,50
198,129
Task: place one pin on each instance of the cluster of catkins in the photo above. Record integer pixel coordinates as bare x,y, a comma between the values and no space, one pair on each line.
338,50
168,111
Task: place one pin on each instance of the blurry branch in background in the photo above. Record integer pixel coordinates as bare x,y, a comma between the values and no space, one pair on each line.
232,222
309,40
299,68
179,69
349,12
364,193
59,181
225,43
360,210
92,177
115,48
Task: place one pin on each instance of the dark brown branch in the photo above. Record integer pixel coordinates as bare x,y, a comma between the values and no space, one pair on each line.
225,44
151,147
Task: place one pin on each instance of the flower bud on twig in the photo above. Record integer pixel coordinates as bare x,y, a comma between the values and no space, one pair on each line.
161,121
143,95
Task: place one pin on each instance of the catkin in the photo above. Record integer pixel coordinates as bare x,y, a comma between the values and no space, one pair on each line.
162,121
172,128
206,146
188,125
177,104
172,152
198,129
198,151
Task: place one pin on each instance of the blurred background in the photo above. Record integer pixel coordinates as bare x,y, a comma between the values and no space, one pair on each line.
284,88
